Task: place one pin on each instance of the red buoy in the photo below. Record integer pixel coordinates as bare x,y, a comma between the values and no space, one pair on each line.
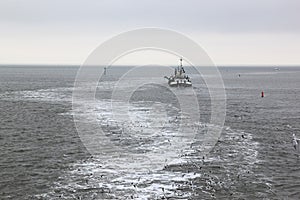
262,94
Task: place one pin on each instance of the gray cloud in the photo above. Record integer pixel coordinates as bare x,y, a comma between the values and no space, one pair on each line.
215,15
232,31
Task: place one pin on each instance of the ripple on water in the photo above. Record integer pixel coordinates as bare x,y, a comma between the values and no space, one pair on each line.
226,172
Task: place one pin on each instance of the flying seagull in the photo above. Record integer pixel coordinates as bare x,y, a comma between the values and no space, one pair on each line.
296,143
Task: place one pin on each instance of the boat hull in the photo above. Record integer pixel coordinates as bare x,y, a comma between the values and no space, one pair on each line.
180,84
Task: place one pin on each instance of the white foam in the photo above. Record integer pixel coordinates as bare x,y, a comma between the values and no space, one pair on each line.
166,146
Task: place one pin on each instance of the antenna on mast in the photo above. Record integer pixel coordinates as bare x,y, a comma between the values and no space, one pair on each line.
180,62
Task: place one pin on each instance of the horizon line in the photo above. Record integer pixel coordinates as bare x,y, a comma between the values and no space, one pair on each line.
129,65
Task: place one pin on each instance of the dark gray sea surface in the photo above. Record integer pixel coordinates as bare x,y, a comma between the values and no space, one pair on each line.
42,155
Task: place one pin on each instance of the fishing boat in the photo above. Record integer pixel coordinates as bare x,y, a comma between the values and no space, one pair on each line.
179,79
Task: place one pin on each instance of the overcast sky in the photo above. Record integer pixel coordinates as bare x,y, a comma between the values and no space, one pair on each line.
233,32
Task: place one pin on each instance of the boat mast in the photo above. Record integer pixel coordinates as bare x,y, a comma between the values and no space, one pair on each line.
180,69
180,62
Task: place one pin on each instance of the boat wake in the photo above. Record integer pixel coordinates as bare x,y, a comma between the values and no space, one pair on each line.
151,159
